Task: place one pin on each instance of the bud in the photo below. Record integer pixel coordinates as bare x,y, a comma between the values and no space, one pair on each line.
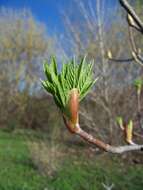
129,132
71,112
120,122
109,54
131,20
73,106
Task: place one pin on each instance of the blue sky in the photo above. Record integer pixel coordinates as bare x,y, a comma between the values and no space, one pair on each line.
47,11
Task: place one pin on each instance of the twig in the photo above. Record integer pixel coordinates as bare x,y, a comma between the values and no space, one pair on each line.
106,147
122,60
133,22
135,52
130,10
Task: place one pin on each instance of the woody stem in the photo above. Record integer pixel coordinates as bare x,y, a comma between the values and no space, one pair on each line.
106,147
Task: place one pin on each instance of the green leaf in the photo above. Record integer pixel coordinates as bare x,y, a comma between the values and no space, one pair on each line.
72,75
53,66
47,71
86,88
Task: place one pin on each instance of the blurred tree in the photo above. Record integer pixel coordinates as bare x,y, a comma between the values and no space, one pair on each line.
24,43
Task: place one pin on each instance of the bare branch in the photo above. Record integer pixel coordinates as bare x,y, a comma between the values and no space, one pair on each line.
130,10
135,53
90,139
132,41
137,134
122,60
132,22
106,147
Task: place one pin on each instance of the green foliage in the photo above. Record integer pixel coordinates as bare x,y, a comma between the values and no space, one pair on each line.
85,174
17,171
119,120
72,75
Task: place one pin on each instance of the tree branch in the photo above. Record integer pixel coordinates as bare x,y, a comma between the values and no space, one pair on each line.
106,147
130,10
135,52
121,60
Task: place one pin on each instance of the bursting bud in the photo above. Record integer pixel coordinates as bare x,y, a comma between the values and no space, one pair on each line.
109,54
119,121
129,132
71,116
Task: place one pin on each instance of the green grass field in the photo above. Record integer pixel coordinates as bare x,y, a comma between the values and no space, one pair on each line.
76,172
16,169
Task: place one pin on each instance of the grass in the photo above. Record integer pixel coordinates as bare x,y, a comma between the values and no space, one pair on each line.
89,175
79,169
17,171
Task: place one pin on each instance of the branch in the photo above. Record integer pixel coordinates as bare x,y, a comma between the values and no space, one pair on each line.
135,57
132,41
121,60
138,58
135,52
110,58
133,22
130,10
106,147
137,135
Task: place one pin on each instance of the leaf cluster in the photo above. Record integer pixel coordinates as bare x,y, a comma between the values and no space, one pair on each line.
72,75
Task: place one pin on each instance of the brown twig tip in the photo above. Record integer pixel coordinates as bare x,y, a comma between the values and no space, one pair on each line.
74,105
69,124
71,118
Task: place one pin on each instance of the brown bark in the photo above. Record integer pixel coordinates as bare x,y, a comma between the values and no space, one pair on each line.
106,147
99,143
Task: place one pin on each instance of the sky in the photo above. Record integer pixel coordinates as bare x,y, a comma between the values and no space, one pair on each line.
47,11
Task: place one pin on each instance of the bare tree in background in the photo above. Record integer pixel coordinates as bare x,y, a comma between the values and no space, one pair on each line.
93,31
